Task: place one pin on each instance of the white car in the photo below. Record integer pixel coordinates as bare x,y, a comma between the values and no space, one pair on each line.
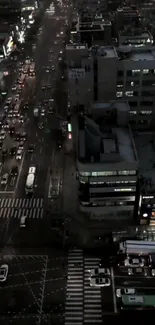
19,154
134,262
100,282
3,272
43,112
100,271
2,135
9,100
4,179
153,272
125,291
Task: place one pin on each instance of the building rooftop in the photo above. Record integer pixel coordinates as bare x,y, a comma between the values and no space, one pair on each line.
136,54
135,32
145,145
101,144
104,51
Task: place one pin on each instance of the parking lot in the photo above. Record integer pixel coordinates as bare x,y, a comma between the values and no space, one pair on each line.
35,286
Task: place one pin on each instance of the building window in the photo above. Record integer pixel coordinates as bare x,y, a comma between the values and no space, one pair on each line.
119,85
146,103
129,93
133,104
132,112
120,73
119,94
145,71
145,112
136,72
127,172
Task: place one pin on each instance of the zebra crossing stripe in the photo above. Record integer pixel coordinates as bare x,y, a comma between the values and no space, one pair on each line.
92,295
22,203
16,208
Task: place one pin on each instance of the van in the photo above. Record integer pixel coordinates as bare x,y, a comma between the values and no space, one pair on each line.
23,222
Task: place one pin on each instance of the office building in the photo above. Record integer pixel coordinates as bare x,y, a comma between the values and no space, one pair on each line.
135,37
107,163
109,73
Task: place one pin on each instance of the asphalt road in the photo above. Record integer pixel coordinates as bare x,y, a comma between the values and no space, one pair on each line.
36,284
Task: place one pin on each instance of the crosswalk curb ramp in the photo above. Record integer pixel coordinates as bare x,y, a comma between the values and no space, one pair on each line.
32,208
83,303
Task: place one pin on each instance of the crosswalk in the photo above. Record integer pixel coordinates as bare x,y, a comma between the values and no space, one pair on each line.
74,289
83,303
15,208
92,296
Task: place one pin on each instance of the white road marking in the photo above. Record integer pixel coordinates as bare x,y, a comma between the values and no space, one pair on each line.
113,290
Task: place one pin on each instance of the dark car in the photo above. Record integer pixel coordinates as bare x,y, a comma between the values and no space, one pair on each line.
30,148
13,151
23,136
14,171
1,144
11,130
17,136
4,153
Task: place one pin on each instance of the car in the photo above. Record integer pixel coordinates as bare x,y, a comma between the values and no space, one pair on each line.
43,87
51,100
19,154
1,144
137,271
23,136
4,153
3,272
14,171
30,148
21,145
50,110
99,271
4,179
2,135
21,119
17,136
125,291
13,151
134,262
6,107
43,112
11,130
100,282
49,86
1,165
153,272
41,126
53,68
9,100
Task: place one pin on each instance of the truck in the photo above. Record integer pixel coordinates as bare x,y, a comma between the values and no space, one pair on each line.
140,247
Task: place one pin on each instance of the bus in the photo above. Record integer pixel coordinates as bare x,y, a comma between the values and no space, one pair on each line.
21,79
138,302
32,69
30,181
137,247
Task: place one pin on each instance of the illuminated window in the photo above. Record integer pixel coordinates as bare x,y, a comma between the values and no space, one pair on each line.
132,112
127,172
135,72
146,112
119,94
145,71
129,93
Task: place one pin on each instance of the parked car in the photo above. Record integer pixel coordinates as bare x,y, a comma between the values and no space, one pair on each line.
4,179
100,282
99,272
125,291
